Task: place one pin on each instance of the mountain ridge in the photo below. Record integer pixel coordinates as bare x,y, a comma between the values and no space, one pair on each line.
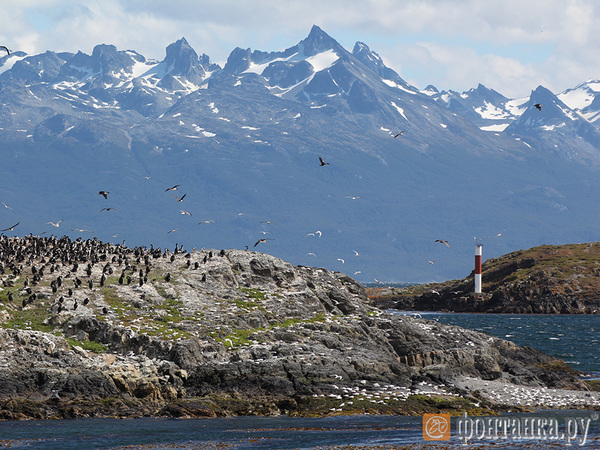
244,142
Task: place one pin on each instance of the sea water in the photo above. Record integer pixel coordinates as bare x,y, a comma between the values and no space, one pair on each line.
573,338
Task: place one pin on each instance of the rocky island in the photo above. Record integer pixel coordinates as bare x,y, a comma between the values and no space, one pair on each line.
91,329
549,279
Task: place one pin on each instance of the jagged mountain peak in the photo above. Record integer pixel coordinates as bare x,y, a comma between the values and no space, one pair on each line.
319,41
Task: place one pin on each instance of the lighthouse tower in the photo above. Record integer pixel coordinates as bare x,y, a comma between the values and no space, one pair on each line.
478,252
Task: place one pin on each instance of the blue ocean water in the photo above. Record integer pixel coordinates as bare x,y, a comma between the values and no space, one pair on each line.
251,433
574,338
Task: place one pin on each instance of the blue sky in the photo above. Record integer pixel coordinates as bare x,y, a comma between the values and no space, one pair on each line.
511,46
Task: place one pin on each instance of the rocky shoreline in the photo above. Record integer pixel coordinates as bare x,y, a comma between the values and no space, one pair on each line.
89,329
563,279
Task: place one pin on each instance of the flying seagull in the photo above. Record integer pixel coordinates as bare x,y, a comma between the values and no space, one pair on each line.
11,228
104,194
315,233
539,106
179,199
340,259
55,224
206,221
323,163
431,261
5,48
442,241
264,241
186,212
353,198
173,230
174,188
7,207
398,134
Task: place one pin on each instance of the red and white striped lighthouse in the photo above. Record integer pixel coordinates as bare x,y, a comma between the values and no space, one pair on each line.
478,253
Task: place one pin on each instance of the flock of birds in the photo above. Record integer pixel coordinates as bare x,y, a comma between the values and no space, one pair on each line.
31,267
322,163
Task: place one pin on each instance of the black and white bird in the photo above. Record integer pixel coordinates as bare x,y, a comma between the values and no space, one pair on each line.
174,188
323,163
442,241
539,106
179,199
398,134
104,194
11,228
3,47
264,241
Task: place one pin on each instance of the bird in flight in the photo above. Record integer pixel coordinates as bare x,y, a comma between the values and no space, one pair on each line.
353,198
6,49
7,207
315,233
173,230
186,212
11,228
323,163
378,282
442,241
206,221
107,209
340,259
431,261
55,224
82,230
539,106
174,188
398,134
178,198
264,241
311,254
356,253
104,194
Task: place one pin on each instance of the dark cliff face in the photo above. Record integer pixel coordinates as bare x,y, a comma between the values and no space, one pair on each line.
542,280
234,331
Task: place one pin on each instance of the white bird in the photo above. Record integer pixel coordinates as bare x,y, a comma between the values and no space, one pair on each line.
431,261
340,259
186,212
357,272
173,230
206,221
356,253
310,254
7,207
353,198
377,281
55,224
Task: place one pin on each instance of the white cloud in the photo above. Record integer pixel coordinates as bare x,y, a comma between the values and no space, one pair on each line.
509,45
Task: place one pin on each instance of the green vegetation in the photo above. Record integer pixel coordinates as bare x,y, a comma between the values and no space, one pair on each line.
95,347
29,318
254,293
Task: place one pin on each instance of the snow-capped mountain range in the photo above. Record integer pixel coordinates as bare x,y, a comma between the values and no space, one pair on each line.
243,143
